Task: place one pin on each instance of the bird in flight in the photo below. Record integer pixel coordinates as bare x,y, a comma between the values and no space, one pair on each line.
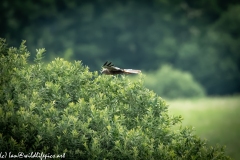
110,69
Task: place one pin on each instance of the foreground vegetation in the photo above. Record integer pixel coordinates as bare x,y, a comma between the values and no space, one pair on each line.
62,109
214,118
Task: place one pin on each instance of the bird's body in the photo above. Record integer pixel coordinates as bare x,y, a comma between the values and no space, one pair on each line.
110,69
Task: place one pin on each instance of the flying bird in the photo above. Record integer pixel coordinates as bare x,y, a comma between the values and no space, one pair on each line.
110,69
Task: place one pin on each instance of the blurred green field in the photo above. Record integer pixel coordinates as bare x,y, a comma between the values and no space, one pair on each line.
215,119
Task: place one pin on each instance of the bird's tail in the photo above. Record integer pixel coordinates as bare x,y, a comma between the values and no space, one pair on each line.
131,71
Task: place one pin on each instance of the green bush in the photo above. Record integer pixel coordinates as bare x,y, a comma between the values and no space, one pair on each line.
172,83
63,109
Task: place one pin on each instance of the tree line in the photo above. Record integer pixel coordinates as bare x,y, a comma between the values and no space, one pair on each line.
200,37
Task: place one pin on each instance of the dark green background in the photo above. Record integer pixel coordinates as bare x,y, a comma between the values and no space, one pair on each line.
201,37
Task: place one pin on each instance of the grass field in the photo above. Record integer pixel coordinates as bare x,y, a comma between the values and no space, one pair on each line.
216,119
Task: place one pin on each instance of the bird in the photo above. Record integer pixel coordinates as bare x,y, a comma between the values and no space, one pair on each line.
109,69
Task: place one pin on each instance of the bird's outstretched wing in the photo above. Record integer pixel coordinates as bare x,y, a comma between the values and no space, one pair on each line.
131,71
110,69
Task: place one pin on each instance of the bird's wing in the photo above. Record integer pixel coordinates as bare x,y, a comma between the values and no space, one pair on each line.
111,67
130,71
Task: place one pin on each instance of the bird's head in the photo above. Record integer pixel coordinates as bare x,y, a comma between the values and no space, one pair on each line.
105,71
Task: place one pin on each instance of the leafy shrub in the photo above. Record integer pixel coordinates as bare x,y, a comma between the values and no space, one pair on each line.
172,83
61,108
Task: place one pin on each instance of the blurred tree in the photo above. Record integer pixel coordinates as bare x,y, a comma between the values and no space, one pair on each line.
168,82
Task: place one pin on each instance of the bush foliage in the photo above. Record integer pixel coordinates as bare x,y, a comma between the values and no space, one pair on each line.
61,108
172,83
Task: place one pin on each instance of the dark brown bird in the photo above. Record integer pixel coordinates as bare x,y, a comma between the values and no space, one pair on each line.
110,69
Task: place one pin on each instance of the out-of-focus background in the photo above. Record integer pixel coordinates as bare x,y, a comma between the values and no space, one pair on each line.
186,49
